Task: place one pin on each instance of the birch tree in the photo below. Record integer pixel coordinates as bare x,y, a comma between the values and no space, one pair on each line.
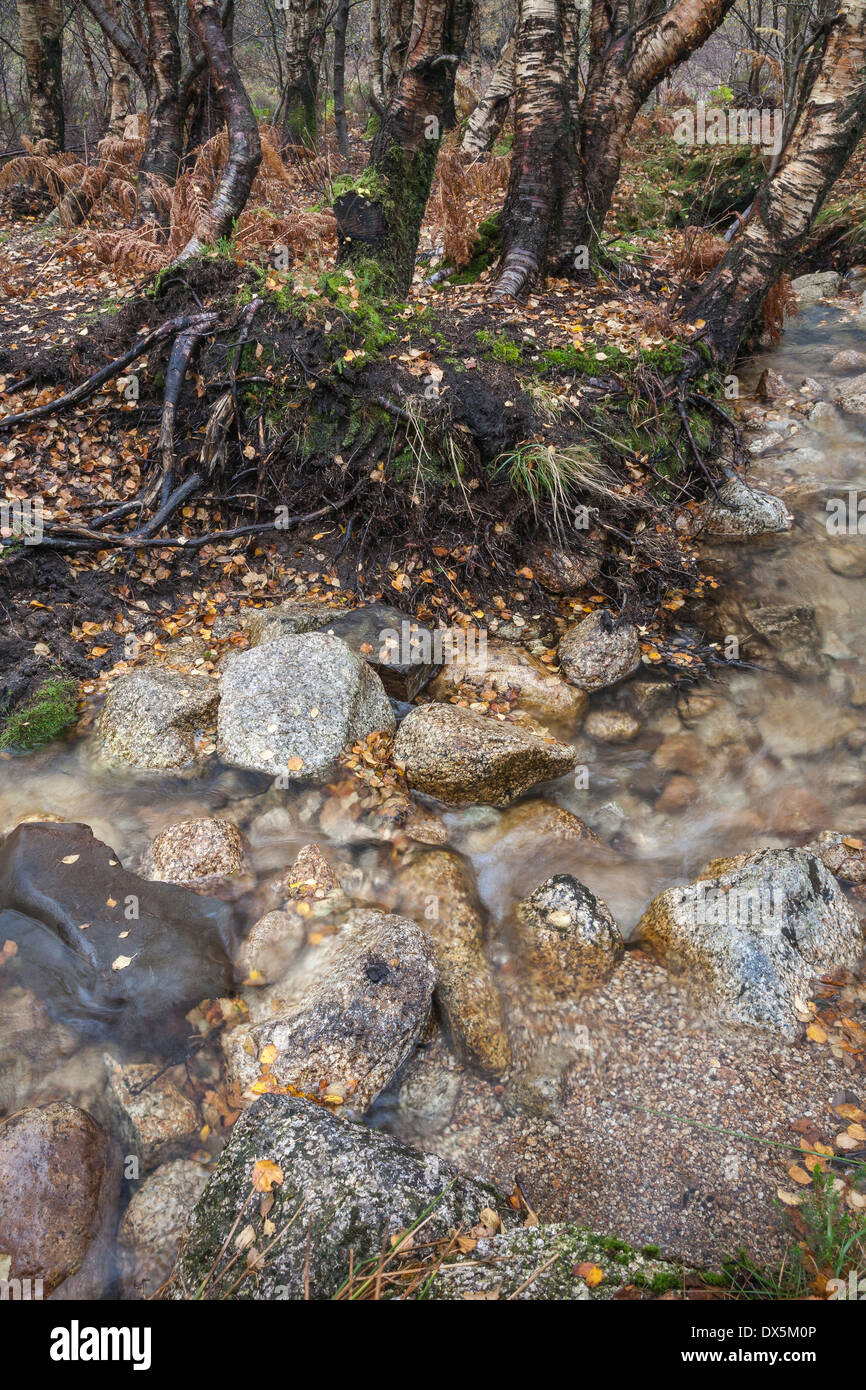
40,24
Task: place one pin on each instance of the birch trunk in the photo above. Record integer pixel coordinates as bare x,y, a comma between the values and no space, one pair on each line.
304,37
341,20
40,24
831,123
488,118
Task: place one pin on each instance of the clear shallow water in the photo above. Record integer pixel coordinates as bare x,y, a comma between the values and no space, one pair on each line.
774,757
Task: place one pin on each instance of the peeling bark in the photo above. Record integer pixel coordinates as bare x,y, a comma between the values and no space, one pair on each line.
40,24
488,118
831,122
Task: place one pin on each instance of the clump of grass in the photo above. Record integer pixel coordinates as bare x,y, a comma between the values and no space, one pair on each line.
49,712
550,477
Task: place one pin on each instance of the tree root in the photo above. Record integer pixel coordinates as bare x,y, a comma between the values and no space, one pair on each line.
88,388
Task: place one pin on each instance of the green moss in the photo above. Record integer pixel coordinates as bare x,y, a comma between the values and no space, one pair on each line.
485,251
501,348
45,716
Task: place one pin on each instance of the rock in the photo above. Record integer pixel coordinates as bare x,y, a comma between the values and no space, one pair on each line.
792,633
679,792
575,1265
343,1023
355,1186
854,386
599,651
59,1186
151,716
854,404
846,559
803,723
764,443
271,947
612,726
153,1225
502,666
822,284
311,876
435,890
567,937
202,855
539,1088
752,932
460,757
741,511
402,652
824,412
848,360
108,951
562,571
152,1118
683,752
531,822
290,619
771,386
428,1092
424,826
31,1046
289,707
844,855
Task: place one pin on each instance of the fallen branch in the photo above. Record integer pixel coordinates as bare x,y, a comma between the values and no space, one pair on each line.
185,344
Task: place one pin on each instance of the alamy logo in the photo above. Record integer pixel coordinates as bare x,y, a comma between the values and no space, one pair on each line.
853,1289
21,1290
417,646
736,907
22,520
77,1343
846,516
718,125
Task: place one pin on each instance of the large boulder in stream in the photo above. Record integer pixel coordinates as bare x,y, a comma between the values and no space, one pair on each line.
289,707
738,512
59,1188
343,1023
150,718
752,932
104,949
340,1191
461,757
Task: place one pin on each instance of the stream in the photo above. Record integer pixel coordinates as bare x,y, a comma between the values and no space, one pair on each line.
757,757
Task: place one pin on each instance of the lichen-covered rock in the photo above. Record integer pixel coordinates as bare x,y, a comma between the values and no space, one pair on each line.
567,937
152,1118
738,512
153,1224
436,891
290,707
273,943
587,1266
344,1021
599,651
202,854
59,1186
819,284
150,718
844,855
501,666
462,757
354,1187
752,932
612,726
290,619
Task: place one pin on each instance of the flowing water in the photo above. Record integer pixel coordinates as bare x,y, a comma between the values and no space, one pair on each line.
771,757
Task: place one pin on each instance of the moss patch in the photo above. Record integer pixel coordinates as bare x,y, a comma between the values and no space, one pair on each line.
50,712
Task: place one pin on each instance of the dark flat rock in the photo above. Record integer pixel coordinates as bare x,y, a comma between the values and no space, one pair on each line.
107,951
